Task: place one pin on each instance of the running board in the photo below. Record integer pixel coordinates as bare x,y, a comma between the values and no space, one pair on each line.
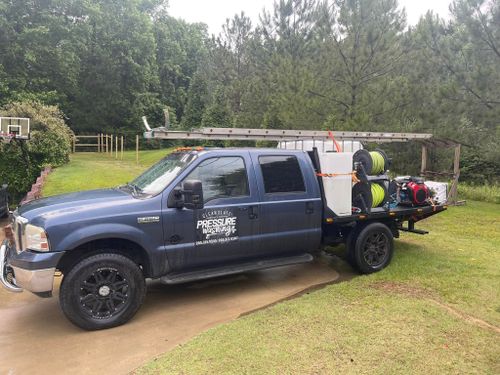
178,278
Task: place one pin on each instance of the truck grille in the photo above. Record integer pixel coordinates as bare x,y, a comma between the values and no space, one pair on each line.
18,224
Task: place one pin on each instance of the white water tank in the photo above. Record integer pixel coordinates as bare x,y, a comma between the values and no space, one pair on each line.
338,188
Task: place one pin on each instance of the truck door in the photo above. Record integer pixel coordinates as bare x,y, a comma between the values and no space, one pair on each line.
290,212
222,232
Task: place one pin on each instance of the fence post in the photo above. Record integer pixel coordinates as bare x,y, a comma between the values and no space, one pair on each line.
121,154
98,143
74,144
116,147
137,149
111,153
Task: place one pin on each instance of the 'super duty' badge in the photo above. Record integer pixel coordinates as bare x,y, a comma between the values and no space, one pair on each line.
148,219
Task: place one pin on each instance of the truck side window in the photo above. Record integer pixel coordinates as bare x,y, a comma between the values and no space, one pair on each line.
224,177
281,174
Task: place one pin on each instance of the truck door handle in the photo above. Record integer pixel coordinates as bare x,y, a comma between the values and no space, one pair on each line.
309,207
252,212
175,239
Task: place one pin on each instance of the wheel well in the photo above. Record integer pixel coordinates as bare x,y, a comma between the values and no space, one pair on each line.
112,245
391,224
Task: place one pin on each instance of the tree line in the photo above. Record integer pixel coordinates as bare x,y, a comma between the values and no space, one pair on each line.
306,64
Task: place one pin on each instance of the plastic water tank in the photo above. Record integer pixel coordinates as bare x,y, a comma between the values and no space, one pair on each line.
338,189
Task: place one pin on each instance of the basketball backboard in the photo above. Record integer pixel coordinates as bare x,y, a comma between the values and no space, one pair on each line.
14,127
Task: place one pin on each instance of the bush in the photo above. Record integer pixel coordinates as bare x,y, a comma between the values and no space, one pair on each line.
50,144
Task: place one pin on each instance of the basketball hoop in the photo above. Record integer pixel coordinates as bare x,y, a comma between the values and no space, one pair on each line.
14,128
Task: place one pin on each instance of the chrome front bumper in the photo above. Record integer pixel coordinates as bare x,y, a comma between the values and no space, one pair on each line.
16,279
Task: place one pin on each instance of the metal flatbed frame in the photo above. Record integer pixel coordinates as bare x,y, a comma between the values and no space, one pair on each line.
401,212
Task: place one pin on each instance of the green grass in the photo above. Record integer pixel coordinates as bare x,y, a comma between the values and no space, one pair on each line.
416,316
87,171
484,193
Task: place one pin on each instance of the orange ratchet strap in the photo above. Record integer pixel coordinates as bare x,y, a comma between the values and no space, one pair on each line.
352,174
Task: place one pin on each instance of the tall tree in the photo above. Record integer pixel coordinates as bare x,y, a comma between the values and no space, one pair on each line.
361,57
180,49
288,61
118,76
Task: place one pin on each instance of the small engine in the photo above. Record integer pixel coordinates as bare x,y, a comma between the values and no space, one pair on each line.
412,191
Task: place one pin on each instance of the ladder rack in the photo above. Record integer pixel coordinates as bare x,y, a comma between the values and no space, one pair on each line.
242,134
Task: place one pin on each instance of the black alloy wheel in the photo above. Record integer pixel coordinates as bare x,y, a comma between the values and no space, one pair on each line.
102,291
376,249
371,247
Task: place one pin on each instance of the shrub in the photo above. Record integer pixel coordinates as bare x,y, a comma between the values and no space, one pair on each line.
50,144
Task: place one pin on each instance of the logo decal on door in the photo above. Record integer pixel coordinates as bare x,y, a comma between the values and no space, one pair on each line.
216,226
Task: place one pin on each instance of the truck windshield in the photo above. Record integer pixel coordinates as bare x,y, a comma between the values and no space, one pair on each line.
160,175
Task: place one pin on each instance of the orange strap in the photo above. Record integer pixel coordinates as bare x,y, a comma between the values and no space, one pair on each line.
352,174
337,146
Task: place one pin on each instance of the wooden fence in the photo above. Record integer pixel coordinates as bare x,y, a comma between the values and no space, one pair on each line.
112,145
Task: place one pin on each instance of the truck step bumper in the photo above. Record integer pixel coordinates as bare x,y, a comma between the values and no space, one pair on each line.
16,279
6,274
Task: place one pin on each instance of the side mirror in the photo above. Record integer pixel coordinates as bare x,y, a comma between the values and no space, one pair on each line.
192,190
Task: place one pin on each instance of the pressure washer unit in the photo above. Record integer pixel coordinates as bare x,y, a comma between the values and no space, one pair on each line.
411,191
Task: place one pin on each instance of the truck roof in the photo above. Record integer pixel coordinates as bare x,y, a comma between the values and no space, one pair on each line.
252,150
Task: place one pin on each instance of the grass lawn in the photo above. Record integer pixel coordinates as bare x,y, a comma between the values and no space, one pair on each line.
434,310
91,170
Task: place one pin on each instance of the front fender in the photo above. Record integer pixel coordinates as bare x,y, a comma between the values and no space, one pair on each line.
102,231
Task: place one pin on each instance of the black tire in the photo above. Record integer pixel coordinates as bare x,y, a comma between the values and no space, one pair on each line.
102,291
371,248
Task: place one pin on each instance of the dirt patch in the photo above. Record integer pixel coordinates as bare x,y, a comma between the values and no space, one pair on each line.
413,291
401,288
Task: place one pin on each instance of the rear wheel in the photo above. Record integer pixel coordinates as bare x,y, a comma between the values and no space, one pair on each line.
102,291
371,248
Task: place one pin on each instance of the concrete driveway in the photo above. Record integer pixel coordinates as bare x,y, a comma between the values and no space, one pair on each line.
35,337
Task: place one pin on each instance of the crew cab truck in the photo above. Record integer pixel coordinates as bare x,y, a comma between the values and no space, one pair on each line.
196,214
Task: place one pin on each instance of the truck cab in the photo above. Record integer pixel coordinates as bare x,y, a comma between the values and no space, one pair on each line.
198,213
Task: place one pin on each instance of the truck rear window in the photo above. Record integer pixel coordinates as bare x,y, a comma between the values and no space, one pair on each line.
281,174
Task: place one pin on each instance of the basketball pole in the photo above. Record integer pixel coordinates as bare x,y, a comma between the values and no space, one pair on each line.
137,149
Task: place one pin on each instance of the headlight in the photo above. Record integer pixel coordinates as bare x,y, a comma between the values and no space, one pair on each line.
36,238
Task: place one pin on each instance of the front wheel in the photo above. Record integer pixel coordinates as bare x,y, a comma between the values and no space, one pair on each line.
372,248
102,291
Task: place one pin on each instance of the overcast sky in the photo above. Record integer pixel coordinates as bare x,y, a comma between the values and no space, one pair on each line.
215,12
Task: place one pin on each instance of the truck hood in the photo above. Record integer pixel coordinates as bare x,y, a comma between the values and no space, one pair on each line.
67,204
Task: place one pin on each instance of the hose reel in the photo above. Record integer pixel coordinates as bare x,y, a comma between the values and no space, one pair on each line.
374,162
368,195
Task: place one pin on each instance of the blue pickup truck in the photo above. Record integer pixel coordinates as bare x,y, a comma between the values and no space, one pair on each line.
196,214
